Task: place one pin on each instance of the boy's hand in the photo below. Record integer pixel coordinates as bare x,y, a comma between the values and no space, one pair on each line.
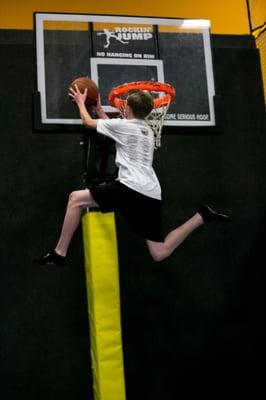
76,96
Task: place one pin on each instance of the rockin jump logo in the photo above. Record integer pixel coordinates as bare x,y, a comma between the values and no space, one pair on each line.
125,35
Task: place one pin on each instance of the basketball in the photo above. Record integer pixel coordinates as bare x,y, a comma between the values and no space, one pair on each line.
83,83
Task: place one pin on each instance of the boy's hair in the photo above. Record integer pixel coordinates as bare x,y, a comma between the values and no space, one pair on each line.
141,103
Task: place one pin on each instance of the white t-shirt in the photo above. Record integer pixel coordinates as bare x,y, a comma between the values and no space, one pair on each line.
134,153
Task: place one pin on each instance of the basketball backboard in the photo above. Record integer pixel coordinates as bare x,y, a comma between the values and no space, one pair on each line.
113,50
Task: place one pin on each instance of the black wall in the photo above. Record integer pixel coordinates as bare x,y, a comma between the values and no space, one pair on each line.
193,324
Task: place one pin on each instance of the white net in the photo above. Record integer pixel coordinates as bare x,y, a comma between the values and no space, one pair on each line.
155,120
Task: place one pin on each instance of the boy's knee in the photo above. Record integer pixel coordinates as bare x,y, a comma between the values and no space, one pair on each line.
159,253
81,199
74,198
158,256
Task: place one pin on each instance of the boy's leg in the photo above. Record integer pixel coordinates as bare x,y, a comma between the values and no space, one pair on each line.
161,250
77,203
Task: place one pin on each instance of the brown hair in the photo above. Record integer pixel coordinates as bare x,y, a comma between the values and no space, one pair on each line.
141,103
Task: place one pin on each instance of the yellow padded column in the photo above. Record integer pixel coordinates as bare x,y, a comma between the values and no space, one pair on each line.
102,278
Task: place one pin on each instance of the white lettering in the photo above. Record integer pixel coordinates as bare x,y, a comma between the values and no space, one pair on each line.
138,36
170,116
128,29
202,117
119,55
186,116
125,36
147,36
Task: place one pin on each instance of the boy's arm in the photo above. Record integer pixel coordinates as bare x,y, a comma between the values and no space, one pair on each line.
99,109
79,98
88,122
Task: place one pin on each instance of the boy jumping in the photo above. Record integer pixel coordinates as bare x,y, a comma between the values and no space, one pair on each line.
136,192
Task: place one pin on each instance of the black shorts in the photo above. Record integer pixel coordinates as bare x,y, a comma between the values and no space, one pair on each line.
143,213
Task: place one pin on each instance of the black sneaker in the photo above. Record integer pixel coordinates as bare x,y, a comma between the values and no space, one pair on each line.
209,215
51,258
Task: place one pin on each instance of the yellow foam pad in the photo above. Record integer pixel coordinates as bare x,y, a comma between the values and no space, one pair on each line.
103,293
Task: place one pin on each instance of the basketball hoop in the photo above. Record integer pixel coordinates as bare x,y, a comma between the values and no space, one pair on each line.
165,92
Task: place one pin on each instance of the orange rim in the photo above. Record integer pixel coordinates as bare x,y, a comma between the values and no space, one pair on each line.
116,101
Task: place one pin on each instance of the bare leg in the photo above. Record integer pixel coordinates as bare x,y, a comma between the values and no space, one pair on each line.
161,250
78,202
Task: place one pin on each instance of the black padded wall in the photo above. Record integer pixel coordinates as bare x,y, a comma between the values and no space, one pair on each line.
191,324
44,327
194,324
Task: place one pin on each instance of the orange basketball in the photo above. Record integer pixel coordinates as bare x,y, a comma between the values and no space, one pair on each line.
83,83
